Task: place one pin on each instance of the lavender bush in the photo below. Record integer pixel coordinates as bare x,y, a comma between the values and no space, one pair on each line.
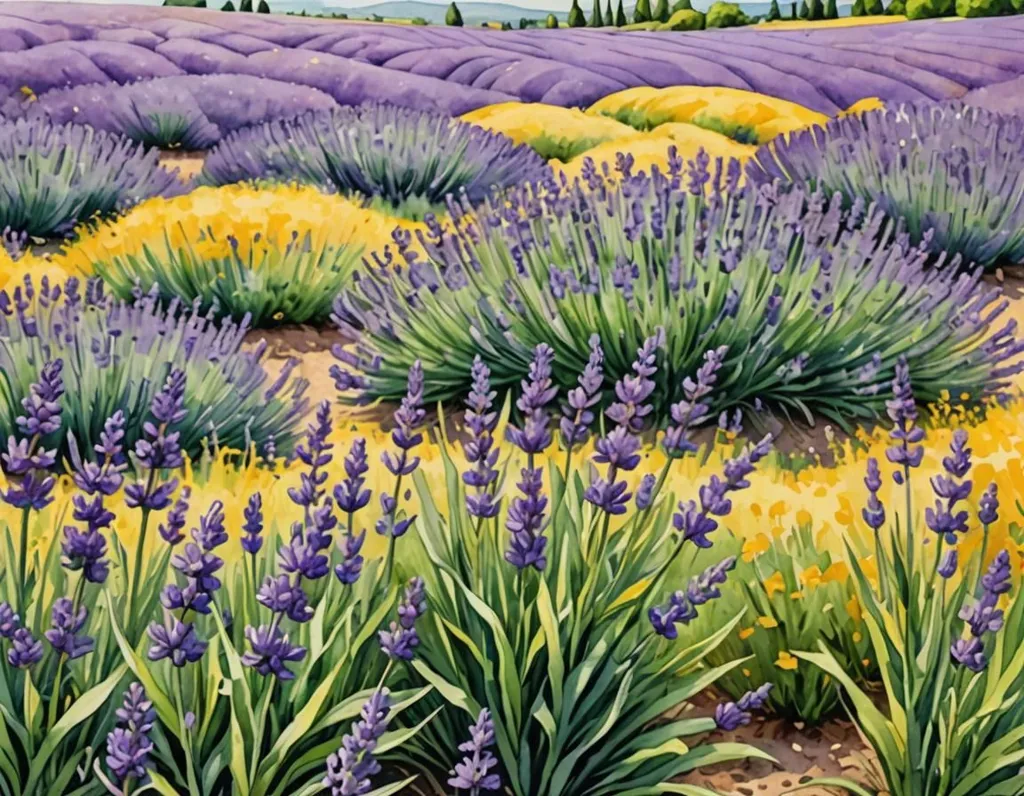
407,161
945,626
185,111
952,172
813,301
117,356
55,177
553,624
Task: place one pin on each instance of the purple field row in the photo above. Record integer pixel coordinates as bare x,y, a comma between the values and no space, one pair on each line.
55,46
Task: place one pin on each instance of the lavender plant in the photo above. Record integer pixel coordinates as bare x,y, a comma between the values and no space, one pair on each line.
122,353
811,300
547,611
952,172
404,160
946,630
55,177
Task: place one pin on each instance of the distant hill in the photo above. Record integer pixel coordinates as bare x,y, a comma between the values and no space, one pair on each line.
472,13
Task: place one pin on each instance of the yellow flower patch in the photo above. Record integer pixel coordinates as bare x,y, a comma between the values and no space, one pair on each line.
787,662
767,622
755,546
775,583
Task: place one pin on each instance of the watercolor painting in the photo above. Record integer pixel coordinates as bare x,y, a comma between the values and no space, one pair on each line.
516,398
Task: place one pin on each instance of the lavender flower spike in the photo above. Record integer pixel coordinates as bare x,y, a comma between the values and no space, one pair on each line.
129,746
944,519
25,649
252,540
472,772
480,449
903,412
538,391
693,410
874,512
42,405
401,639
66,624
984,616
578,410
270,651
349,770
408,418
733,715
526,521
682,605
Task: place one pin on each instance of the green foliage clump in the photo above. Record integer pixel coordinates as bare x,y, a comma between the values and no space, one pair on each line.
640,118
620,16
418,21
896,8
930,9
725,15
737,131
684,19
245,6
983,8
263,7
228,6
661,12
551,22
186,3
773,12
596,17
831,9
552,146
576,16
642,11
453,16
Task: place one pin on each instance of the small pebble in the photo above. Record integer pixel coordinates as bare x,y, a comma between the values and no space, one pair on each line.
799,725
836,746
797,747
999,275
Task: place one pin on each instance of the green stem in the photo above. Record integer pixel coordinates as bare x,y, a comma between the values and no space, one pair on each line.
23,563
390,560
140,546
186,739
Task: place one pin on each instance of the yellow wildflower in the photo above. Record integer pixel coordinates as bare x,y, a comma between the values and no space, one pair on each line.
804,518
746,633
787,661
767,622
836,573
811,576
853,609
775,583
752,548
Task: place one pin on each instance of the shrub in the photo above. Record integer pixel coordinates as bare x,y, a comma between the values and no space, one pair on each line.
408,161
813,334
551,22
246,685
453,16
930,9
419,21
946,628
642,11
528,618
794,596
228,6
245,5
119,353
661,12
725,15
235,252
263,7
983,8
950,169
896,8
54,177
684,20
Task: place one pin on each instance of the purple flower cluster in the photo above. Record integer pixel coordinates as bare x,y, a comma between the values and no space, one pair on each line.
902,410
67,620
944,519
538,390
84,551
693,409
874,512
26,459
578,411
24,649
682,605
480,450
159,448
129,745
733,715
619,448
171,530
350,768
526,521
252,528
406,435
694,522
983,616
401,639
352,496
473,772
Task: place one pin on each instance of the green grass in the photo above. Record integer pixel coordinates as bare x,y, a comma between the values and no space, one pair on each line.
563,149
645,121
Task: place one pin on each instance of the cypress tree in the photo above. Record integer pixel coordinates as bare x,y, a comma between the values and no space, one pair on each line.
874,7
805,11
792,10
815,10
642,12
245,5
576,17
229,6
609,17
831,9
773,12
620,16
660,13
596,17
551,22
263,7
858,8
453,16
682,5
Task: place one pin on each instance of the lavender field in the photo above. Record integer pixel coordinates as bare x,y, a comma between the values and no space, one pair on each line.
55,46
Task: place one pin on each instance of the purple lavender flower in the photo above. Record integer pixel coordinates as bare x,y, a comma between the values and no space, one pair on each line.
988,510
538,391
645,492
351,567
903,412
632,392
171,531
42,405
874,512
128,745
733,715
400,640
682,605
693,409
578,410
281,596
252,540
200,566
408,418
190,598
944,519
315,453
984,615
997,578
969,652
33,493
25,649
270,652
8,620
350,768
211,534
351,494
301,557
472,772
66,623
526,521
175,640
948,565
85,551
104,477
480,449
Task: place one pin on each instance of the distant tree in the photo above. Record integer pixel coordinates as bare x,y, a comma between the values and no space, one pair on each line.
896,8
725,15
875,8
551,22
609,17
263,7
576,18
524,23
186,3
815,10
805,11
682,5
831,9
858,8
792,10
453,17
506,25
229,6
642,12
684,19
596,17
620,16
376,18
661,12
245,5
773,12
418,21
